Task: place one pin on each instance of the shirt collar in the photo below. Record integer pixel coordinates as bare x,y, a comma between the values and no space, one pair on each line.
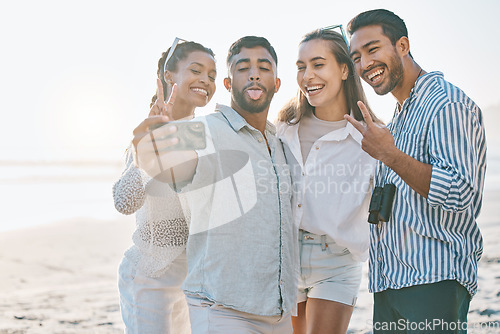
343,133
237,122
291,132
355,134
422,83
425,80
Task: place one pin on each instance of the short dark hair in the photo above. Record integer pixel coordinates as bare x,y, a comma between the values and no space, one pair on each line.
250,42
392,25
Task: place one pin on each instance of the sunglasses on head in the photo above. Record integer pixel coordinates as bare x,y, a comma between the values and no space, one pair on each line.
171,52
342,32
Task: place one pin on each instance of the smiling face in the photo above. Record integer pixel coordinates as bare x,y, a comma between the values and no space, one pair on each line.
252,80
319,76
376,59
195,78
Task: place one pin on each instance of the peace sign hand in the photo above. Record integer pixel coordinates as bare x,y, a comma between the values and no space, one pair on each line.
145,147
377,140
160,107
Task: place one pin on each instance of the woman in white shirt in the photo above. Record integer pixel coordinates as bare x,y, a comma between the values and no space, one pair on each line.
153,269
332,181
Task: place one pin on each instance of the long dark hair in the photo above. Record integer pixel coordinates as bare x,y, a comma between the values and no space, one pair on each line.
298,106
182,51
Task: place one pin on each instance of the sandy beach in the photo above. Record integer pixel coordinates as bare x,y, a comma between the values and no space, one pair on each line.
61,277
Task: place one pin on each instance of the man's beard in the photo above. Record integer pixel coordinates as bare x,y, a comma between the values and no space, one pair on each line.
252,106
395,76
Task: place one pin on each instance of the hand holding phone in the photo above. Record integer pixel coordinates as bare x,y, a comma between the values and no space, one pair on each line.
190,135
162,145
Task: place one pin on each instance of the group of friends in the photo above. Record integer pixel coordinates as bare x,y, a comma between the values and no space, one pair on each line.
265,228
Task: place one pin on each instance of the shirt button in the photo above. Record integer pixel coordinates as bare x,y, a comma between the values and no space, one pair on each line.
300,205
303,173
317,147
260,140
380,258
281,281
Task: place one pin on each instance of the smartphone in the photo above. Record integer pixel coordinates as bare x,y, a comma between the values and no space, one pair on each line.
191,135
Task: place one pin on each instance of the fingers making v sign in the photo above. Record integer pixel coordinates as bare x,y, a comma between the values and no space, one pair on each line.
160,107
377,140
145,145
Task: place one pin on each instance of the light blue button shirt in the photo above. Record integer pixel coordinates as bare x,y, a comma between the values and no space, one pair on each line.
243,244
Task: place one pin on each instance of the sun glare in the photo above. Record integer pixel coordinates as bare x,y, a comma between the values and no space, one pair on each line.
92,120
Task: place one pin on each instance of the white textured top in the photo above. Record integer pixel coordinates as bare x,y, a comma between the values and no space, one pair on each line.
162,230
332,187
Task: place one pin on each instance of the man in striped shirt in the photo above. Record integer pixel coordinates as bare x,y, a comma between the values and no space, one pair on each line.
423,259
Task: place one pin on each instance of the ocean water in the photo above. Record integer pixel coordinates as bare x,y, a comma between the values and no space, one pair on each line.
39,191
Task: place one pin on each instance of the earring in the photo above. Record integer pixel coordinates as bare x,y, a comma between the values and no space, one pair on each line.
168,78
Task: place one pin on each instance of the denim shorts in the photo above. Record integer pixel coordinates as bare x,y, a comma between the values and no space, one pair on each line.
327,270
153,304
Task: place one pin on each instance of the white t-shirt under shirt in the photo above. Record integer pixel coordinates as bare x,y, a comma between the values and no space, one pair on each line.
332,179
312,128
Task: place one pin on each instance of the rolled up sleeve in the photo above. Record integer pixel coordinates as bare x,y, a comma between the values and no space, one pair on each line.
454,140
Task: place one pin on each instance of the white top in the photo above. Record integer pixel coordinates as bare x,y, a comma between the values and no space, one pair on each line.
312,128
162,229
332,188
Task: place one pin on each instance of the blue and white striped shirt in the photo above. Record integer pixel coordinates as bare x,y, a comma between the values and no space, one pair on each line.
434,239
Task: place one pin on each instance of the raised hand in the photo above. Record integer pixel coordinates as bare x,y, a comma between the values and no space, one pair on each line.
149,139
160,107
377,140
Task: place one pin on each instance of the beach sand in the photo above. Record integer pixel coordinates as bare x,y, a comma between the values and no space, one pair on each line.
62,277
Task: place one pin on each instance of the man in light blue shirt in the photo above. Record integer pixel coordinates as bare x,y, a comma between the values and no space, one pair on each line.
242,247
425,247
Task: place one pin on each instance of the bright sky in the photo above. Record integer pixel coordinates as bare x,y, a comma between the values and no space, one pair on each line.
77,76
